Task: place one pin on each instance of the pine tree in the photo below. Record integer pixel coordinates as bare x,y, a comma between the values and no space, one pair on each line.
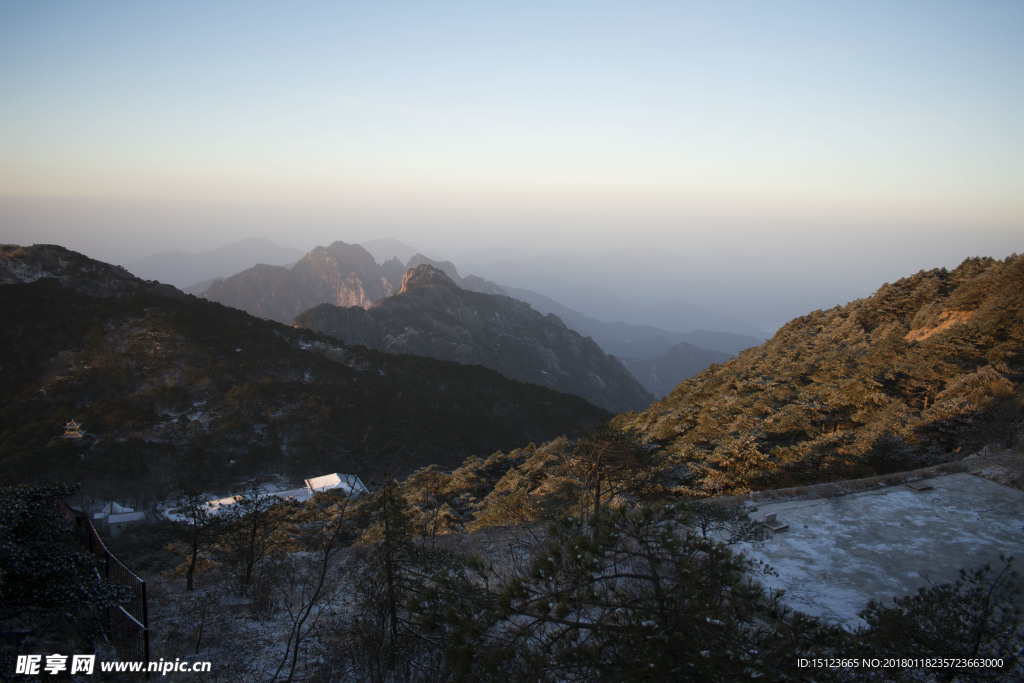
46,577
643,598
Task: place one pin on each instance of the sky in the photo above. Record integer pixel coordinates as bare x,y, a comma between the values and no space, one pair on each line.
810,146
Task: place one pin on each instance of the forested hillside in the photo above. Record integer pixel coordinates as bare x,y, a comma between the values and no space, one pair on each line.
927,369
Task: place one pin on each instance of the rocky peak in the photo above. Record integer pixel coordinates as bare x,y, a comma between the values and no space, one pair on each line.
425,276
338,258
353,254
472,283
340,274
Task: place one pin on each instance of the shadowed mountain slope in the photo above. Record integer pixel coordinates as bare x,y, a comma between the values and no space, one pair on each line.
432,316
171,388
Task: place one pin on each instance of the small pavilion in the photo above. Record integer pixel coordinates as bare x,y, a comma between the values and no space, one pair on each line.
72,430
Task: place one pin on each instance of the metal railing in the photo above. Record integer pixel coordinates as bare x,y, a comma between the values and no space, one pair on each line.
129,622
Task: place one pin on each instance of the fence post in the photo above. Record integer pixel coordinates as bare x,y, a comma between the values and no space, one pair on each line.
145,628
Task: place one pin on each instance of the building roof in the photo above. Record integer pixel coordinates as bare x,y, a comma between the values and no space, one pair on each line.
349,483
111,508
72,429
122,517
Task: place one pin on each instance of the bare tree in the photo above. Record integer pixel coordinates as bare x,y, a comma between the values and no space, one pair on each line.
252,534
309,589
198,521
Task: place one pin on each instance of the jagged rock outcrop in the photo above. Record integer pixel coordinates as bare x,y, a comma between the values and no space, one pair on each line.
340,274
432,316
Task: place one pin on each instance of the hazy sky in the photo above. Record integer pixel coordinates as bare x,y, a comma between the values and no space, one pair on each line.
854,141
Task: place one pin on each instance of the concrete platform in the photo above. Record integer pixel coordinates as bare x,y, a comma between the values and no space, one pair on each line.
839,553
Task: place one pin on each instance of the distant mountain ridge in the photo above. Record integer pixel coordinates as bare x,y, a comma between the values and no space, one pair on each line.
184,270
340,274
633,341
623,289
432,316
658,359
660,374
387,248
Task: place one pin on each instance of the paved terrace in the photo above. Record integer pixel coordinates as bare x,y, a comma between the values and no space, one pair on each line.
838,553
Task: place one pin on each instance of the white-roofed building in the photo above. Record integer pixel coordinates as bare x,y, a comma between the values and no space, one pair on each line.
348,484
110,508
116,516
